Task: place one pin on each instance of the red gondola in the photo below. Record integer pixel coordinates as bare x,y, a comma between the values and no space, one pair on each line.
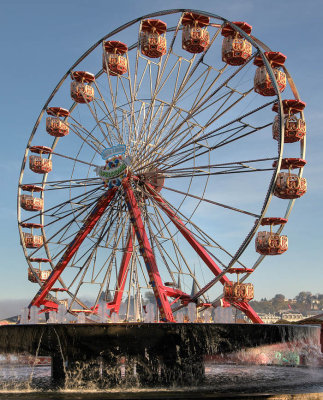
262,81
295,128
236,292
42,275
54,125
290,186
270,244
37,163
32,241
40,165
152,38
195,37
81,91
113,61
31,203
235,48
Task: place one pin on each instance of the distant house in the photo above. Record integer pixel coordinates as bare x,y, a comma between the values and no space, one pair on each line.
291,316
268,318
286,315
315,304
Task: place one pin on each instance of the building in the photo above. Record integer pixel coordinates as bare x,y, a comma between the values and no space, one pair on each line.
268,318
291,316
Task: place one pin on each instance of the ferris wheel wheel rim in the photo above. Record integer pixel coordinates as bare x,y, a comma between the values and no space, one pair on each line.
159,13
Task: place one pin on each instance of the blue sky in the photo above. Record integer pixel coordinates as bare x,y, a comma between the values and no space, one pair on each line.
41,39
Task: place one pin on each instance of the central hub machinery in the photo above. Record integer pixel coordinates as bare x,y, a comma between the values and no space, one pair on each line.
116,166
155,178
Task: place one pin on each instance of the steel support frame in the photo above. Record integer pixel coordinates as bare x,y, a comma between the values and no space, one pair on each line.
90,222
114,305
147,253
201,251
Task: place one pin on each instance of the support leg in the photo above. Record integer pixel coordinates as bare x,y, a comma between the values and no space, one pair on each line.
123,272
148,255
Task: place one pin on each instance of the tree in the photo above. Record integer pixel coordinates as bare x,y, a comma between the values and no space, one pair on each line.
278,302
278,298
303,297
262,306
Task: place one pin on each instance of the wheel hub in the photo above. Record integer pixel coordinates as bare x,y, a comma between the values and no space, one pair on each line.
155,178
116,166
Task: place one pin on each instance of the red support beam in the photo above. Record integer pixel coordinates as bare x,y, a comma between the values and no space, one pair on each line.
176,293
148,255
87,227
114,305
200,250
249,311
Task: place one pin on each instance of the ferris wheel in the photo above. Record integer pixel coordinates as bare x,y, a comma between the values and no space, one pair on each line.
156,171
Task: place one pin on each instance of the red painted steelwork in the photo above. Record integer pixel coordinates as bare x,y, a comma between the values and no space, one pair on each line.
240,271
187,234
176,293
148,255
87,227
200,250
49,306
249,311
122,277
